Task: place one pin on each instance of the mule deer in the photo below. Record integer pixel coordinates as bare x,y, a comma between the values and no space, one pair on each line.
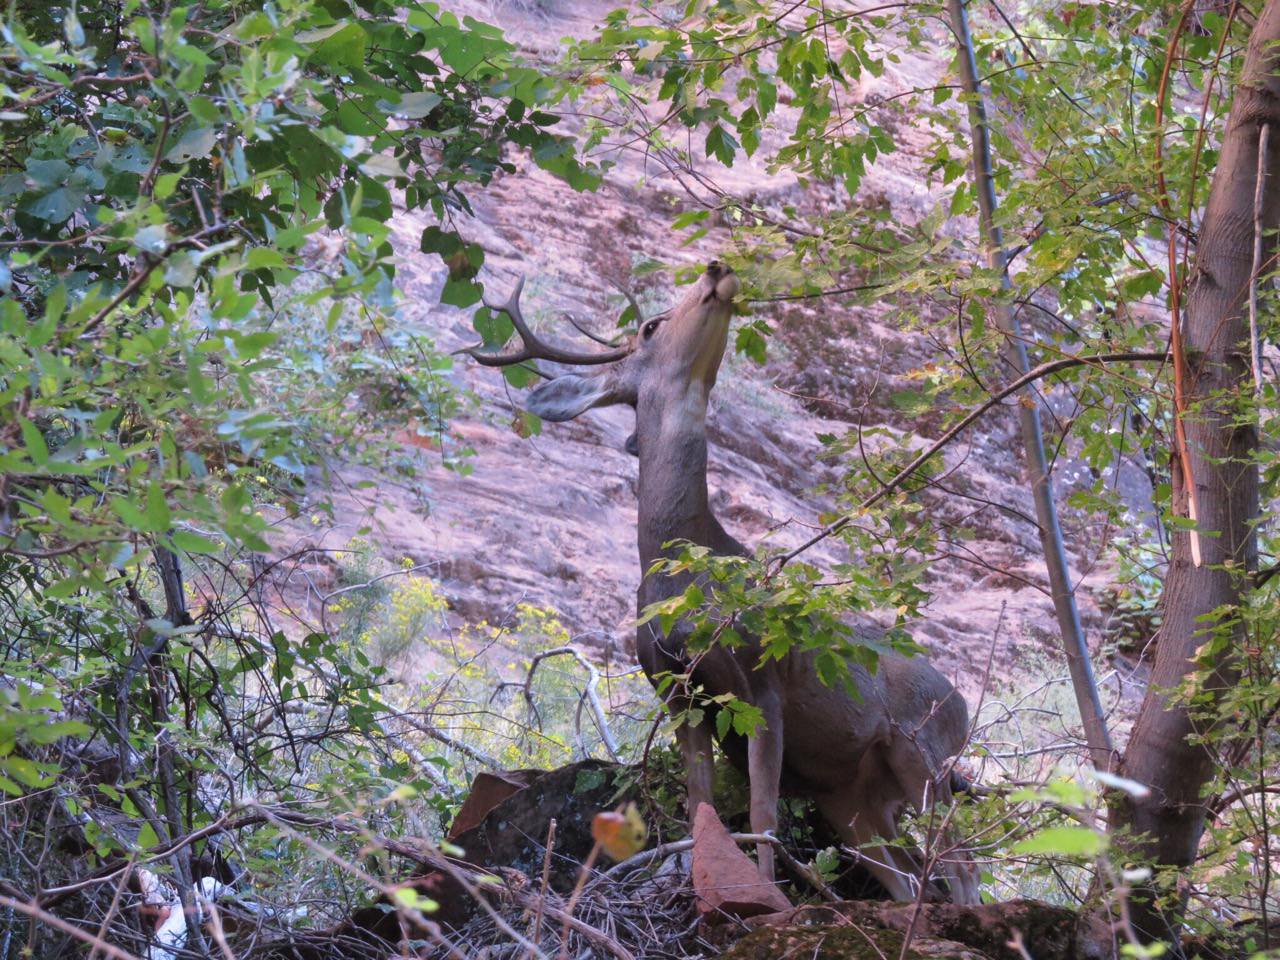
862,760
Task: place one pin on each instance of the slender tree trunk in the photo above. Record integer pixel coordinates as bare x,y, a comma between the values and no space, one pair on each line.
1055,554
1165,826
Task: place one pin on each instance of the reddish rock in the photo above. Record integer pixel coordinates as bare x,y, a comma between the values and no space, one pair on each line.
487,791
725,880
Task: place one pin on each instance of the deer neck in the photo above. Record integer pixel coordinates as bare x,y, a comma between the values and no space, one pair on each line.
673,500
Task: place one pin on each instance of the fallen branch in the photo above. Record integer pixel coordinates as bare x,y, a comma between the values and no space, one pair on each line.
661,852
533,900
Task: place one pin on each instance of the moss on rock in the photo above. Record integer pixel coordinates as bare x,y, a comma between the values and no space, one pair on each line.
842,942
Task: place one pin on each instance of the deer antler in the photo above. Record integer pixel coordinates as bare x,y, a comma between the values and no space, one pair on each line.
603,341
534,348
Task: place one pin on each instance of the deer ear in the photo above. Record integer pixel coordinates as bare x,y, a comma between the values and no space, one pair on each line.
565,397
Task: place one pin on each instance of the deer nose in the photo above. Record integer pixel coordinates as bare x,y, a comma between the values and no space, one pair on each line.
716,270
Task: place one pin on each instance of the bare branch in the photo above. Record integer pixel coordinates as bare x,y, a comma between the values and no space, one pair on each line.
901,477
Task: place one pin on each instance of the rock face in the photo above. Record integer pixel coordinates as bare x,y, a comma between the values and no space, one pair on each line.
551,519
726,882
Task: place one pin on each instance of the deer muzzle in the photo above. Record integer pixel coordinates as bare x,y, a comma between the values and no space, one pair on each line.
724,282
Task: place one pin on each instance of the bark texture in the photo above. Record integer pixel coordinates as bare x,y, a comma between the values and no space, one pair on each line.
1166,826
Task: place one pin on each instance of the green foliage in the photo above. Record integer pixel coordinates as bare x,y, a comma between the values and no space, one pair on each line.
198,308
1064,841
733,600
28,721
509,693
155,235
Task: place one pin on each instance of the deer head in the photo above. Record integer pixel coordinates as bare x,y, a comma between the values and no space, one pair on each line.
668,368
670,362
666,372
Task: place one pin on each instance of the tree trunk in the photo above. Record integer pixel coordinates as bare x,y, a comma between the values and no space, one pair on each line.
1165,826
1028,408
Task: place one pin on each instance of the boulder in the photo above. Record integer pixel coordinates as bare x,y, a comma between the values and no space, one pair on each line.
487,791
726,882
514,832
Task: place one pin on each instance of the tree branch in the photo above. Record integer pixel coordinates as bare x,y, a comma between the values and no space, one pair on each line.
1039,373
1074,644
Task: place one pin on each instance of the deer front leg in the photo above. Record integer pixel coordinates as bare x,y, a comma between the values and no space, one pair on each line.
698,750
764,771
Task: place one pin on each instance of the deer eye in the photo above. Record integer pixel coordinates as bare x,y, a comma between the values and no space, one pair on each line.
650,328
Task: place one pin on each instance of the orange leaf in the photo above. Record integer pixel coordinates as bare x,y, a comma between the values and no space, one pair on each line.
620,835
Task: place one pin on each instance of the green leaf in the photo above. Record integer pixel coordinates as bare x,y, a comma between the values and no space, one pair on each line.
180,269
444,242
129,512
747,718
26,771
415,106
409,898
383,167
166,184
721,145
259,257
250,345
689,218
1064,841
913,403
147,838
33,441
1148,283
461,293
340,46
355,117
749,341
158,516
152,239
57,206
195,142
44,174
190,542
